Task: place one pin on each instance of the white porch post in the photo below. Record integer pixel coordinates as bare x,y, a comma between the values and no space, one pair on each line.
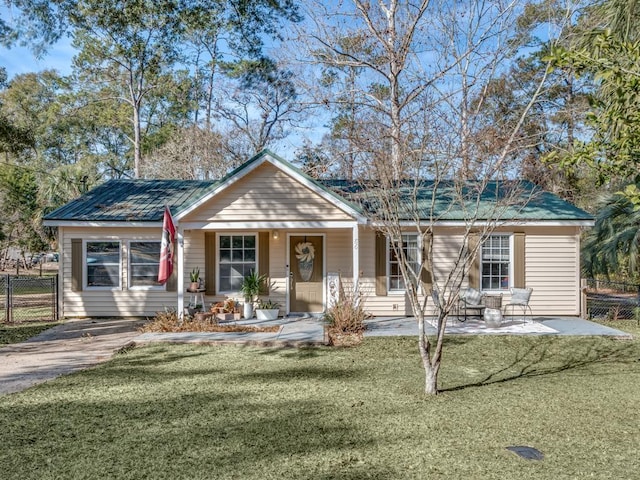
180,257
356,258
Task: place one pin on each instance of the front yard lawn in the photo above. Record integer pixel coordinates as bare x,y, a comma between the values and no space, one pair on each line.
230,412
19,332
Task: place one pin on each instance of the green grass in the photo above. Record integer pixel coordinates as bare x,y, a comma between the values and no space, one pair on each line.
230,412
22,331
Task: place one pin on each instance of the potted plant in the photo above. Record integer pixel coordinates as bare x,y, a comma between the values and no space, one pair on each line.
195,279
267,310
251,287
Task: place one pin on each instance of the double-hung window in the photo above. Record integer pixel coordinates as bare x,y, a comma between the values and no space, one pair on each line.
102,264
144,263
236,260
496,263
411,251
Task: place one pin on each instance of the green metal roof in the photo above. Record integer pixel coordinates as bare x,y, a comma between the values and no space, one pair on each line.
144,200
132,200
511,200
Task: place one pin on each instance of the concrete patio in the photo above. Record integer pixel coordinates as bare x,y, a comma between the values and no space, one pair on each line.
385,326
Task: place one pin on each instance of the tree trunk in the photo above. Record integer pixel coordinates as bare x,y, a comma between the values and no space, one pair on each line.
431,381
136,140
431,373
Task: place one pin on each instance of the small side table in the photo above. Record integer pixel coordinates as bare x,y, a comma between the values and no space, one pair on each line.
196,295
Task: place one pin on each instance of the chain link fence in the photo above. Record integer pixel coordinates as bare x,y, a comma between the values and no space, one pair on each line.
28,298
612,300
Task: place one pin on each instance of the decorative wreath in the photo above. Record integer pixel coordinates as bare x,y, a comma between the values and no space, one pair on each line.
305,252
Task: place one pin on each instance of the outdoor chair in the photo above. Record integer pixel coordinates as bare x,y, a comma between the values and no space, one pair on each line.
520,298
471,299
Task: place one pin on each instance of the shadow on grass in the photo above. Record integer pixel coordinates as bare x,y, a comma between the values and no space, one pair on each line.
541,356
304,373
182,434
299,353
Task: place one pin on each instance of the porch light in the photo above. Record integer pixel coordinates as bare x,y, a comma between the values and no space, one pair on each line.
275,234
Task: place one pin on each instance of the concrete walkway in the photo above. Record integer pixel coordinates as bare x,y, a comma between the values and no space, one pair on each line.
79,344
66,348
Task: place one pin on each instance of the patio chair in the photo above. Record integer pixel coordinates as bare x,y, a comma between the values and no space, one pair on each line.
520,298
471,299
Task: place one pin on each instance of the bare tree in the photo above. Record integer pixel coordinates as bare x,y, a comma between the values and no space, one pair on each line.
422,74
257,101
193,154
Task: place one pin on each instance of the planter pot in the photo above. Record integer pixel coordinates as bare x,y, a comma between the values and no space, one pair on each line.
267,314
224,317
248,310
193,287
492,317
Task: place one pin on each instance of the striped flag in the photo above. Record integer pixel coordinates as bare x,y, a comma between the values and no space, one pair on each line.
167,247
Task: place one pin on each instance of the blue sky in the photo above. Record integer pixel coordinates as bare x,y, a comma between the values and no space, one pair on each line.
20,59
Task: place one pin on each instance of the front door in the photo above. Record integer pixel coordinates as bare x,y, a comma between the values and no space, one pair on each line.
306,267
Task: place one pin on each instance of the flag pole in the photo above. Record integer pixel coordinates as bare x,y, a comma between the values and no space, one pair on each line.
180,255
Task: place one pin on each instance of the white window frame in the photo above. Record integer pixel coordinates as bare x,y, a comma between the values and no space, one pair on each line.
234,293
396,291
85,266
511,263
130,267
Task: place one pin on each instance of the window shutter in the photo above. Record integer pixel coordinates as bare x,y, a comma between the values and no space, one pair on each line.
426,276
76,265
518,260
474,267
381,264
263,257
210,263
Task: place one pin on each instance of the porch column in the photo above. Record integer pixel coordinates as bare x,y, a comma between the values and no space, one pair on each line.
180,257
356,257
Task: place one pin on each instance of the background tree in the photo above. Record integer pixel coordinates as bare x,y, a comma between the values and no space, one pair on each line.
13,139
21,212
192,153
258,103
129,48
609,51
612,246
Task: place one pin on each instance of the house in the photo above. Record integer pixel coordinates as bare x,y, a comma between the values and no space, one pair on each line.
269,216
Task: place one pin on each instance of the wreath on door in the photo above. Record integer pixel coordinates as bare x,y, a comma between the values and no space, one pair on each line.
305,253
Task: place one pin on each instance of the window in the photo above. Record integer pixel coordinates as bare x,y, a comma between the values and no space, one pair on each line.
496,263
103,264
412,255
144,263
236,260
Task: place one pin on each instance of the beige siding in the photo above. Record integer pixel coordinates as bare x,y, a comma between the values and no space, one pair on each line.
121,302
267,194
551,266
